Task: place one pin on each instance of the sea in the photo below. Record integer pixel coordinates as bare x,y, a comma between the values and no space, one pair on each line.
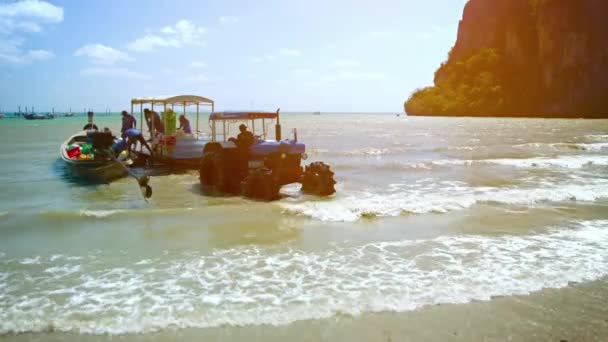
459,229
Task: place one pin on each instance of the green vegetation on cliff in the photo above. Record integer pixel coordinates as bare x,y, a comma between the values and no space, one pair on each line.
469,87
523,58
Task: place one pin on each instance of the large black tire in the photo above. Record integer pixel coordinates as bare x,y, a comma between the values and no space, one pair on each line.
212,174
318,179
261,184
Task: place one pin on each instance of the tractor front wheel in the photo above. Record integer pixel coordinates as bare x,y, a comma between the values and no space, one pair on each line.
212,173
318,179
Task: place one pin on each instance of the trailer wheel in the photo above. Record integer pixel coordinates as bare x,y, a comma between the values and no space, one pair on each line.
318,179
261,184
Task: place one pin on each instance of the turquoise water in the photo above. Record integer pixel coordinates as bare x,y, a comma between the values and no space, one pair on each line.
428,211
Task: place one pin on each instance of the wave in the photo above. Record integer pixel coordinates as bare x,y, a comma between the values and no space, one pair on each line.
100,213
597,137
592,147
595,147
253,286
439,198
570,162
368,151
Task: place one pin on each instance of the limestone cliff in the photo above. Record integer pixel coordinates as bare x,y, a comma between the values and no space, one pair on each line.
544,58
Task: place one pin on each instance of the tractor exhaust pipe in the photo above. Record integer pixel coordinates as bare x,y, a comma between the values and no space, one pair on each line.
277,127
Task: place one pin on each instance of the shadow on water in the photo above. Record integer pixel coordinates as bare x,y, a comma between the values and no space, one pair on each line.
67,174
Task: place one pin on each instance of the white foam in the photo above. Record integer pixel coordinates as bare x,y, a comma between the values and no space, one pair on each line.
570,162
253,285
100,213
419,198
31,261
597,137
595,147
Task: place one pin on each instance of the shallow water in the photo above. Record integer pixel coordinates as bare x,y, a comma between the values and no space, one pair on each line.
428,211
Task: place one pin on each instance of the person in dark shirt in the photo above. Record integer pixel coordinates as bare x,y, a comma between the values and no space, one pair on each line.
128,122
153,119
133,136
184,124
245,139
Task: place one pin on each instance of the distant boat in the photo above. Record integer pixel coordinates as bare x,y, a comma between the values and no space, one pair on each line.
68,114
316,113
33,116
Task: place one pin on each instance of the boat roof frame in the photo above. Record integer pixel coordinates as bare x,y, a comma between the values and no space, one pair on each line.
188,100
242,115
179,100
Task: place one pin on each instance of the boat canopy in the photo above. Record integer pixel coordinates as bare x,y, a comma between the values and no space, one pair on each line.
242,115
187,100
176,100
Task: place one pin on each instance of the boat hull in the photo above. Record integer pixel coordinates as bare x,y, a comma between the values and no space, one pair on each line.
100,173
91,170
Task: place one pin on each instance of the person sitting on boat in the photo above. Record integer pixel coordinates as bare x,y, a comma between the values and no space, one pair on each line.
133,136
90,125
153,120
184,124
128,122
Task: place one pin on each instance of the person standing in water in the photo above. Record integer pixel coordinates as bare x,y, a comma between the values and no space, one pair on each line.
133,136
128,122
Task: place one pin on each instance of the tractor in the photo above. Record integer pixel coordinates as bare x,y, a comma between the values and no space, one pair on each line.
259,168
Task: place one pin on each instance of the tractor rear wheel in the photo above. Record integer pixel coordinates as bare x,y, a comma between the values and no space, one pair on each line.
261,184
318,179
212,174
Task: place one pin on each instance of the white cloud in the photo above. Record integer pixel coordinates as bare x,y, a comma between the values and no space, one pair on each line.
346,63
102,54
184,32
11,52
228,20
33,55
198,65
290,52
28,16
168,72
256,59
112,72
270,57
20,17
152,42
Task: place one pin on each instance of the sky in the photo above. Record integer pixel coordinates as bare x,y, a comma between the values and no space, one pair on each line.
309,55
